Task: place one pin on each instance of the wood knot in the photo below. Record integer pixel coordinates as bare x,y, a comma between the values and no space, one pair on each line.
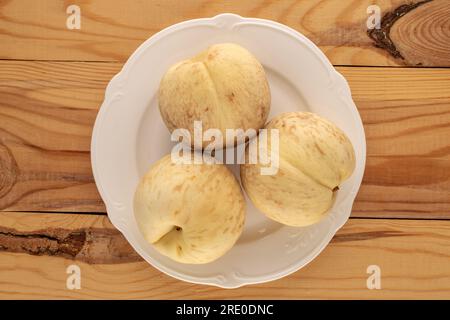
382,35
9,171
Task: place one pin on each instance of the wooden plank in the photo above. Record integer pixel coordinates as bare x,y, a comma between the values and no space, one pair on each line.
47,110
406,116
412,255
410,34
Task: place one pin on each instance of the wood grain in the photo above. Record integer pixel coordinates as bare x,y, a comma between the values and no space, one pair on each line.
406,117
36,30
52,82
47,110
430,45
47,114
413,256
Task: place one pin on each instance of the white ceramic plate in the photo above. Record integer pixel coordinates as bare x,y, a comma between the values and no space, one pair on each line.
129,135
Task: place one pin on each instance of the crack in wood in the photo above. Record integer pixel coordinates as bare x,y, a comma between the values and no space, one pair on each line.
360,236
381,36
91,245
53,243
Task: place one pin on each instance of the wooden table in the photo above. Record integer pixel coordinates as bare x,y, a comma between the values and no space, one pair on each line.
52,81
